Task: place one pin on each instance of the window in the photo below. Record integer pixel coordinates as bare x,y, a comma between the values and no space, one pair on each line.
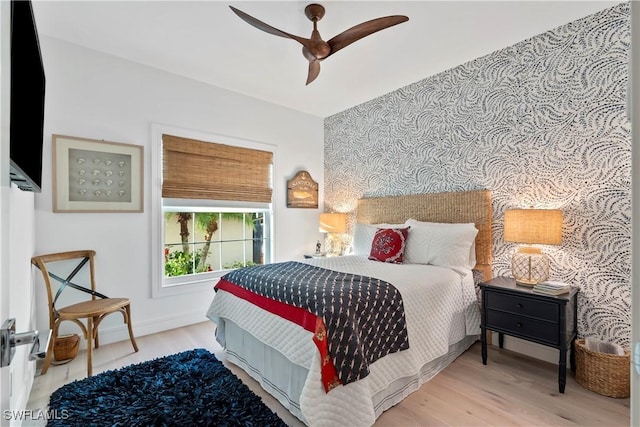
215,210
212,240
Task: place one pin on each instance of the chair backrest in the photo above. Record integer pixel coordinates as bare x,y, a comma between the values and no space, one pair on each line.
83,257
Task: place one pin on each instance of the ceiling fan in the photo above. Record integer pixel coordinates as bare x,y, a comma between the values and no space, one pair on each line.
314,48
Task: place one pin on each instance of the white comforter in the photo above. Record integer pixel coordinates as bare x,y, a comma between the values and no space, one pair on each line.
440,308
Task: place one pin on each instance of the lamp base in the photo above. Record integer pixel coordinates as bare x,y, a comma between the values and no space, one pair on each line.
523,282
333,244
530,266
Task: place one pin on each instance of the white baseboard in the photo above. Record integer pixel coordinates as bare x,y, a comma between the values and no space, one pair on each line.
537,351
147,327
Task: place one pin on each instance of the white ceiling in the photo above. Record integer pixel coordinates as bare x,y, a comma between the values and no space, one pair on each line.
205,41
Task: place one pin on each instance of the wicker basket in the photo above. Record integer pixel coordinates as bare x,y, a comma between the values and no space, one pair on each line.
606,374
66,347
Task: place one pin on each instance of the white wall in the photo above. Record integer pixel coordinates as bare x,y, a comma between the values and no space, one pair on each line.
21,300
5,287
16,247
96,96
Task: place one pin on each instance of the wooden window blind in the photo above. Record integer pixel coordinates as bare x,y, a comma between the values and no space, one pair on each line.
193,169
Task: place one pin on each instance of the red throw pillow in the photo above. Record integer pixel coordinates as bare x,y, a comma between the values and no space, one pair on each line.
388,245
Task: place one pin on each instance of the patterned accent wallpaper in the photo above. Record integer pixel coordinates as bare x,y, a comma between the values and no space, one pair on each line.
542,123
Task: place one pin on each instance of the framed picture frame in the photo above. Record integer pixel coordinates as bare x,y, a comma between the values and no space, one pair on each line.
92,175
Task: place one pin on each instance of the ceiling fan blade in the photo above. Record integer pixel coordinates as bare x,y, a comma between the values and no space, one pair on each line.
314,70
268,28
354,34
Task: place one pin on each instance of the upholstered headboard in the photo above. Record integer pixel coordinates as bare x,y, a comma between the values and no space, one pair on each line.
452,207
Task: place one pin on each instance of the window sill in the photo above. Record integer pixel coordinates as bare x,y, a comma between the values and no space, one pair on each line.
181,288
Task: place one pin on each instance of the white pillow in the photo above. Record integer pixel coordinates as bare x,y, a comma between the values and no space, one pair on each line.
363,237
446,245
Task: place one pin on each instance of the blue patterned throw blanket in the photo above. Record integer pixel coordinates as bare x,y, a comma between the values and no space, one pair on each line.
364,317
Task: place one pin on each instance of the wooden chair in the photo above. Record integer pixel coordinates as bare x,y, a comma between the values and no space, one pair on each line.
93,310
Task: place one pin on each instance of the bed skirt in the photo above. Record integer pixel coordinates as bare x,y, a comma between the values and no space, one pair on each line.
285,380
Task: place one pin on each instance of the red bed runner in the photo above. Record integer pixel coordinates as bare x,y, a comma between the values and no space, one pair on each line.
297,315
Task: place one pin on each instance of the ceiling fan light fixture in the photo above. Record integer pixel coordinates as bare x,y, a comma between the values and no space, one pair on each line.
314,48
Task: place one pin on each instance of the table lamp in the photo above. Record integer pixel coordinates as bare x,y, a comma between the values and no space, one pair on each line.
529,265
333,223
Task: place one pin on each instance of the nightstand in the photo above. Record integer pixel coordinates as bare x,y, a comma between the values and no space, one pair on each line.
516,310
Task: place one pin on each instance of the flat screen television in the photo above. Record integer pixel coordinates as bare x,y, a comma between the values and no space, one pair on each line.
27,99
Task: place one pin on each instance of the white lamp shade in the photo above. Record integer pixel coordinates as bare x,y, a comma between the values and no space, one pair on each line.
533,226
333,223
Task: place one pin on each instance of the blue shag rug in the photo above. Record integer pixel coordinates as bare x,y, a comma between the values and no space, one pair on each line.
191,388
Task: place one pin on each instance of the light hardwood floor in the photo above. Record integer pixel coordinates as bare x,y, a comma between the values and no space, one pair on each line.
511,390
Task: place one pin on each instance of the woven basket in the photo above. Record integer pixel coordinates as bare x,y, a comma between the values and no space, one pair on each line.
66,347
606,374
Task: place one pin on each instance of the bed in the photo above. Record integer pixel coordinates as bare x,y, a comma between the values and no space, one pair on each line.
440,308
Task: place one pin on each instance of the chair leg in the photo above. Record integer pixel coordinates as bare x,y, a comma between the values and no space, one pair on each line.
89,346
127,308
96,342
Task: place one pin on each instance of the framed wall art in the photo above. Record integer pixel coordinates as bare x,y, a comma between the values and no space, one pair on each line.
96,176
302,191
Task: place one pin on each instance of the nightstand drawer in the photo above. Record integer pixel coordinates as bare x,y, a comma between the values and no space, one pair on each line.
523,326
522,306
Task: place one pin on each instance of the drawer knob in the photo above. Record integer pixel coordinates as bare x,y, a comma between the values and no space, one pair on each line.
519,305
519,325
